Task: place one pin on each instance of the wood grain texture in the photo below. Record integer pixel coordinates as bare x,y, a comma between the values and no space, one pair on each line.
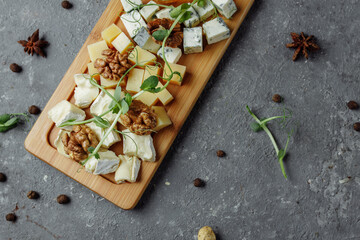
199,70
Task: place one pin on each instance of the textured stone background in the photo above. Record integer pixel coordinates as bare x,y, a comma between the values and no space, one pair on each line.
246,196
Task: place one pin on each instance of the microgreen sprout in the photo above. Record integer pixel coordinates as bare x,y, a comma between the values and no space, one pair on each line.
9,121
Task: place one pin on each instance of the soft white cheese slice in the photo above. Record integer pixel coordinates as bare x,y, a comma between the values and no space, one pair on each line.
206,11
128,169
64,111
107,163
148,11
140,146
216,30
111,139
129,5
85,92
172,54
101,105
133,22
59,144
227,8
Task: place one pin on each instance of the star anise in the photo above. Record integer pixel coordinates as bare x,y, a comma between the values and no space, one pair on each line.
176,37
302,44
34,44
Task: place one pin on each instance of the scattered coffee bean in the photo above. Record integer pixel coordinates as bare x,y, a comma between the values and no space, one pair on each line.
3,177
199,183
63,199
357,126
11,217
277,98
15,68
33,195
353,105
34,110
66,4
220,153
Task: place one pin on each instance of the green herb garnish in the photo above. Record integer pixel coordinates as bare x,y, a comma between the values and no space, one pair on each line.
9,121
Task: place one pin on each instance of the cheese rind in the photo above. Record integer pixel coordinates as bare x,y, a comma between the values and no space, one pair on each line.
163,119
193,41
101,105
172,55
141,146
175,68
145,41
133,22
111,139
64,111
129,5
110,33
135,79
96,49
206,11
148,11
107,163
85,92
128,169
194,19
144,57
122,43
227,8
59,144
216,30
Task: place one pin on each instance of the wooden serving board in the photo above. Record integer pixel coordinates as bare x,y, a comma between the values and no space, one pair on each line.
199,70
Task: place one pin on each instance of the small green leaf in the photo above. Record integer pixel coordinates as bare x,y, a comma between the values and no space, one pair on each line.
11,122
124,106
255,127
150,83
128,98
186,16
178,10
97,156
160,34
100,122
90,149
201,3
4,118
154,90
117,96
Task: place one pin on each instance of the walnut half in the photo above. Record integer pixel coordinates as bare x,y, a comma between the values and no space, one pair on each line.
81,138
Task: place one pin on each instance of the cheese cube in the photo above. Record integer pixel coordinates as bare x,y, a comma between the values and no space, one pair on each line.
110,33
194,19
164,96
141,146
164,13
175,68
193,41
85,92
133,22
111,139
163,119
206,11
108,163
108,83
227,8
148,98
59,144
216,30
96,49
129,5
148,11
92,71
172,55
151,71
128,169
144,57
101,105
135,79
122,43
64,111
145,41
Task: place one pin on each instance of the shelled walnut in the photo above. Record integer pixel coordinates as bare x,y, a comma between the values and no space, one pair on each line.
140,118
176,37
113,66
81,138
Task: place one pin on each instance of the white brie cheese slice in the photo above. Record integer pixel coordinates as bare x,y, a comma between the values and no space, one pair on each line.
85,92
59,144
128,169
140,146
101,105
111,139
107,163
64,111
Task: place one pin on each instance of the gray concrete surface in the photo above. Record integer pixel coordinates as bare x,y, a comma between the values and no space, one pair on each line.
245,196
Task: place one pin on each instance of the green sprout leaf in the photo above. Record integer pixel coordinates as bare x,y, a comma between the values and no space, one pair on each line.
117,96
124,106
160,34
150,83
128,98
186,16
100,122
178,10
4,118
256,127
201,3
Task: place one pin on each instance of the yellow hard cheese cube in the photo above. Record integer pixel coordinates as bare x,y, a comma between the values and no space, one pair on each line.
164,96
151,71
108,83
135,79
110,33
175,68
144,57
148,98
96,49
163,119
122,43
92,70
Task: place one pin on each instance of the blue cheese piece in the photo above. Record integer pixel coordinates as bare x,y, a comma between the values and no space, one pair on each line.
227,8
133,22
149,11
194,20
164,13
107,163
129,5
64,111
145,41
141,146
85,92
128,169
206,11
111,139
216,30
193,41
172,55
